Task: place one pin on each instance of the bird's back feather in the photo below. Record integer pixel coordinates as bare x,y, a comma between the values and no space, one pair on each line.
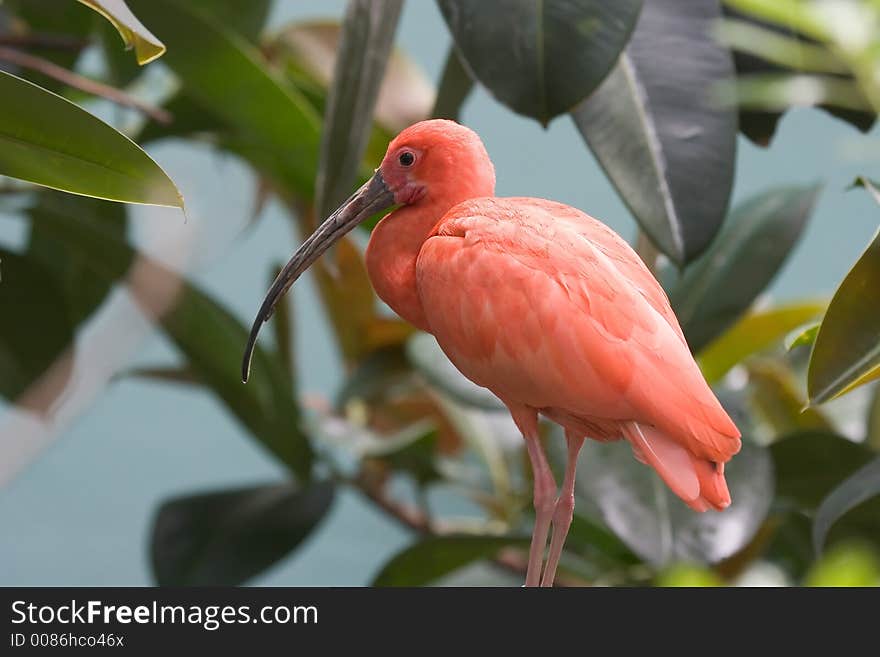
549,308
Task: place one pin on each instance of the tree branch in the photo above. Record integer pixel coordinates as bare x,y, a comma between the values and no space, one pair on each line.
82,83
44,41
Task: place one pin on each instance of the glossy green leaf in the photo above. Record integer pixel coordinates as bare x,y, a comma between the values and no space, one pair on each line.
455,86
654,523
429,360
431,558
669,150
47,140
275,127
210,338
146,46
802,336
540,58
367,36
810,464
35,325
847,349
859,487
226,538
752,246
755,332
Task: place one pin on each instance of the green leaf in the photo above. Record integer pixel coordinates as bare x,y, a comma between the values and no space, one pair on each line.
802,336
688,575
247,17
590,539
750,249
412,451
373,377
48,140
540,58
872,425
777,400
669,151
759,123
190,121
856,489
852,564
429,360
847,349
226,538
208,335
456,85
777,92
146,46
810,464
432,558
276,128
794,14
367,36
654,523
84,290
176,375
755,332
35,325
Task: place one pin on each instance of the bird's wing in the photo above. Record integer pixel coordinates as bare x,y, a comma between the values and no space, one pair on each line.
530,305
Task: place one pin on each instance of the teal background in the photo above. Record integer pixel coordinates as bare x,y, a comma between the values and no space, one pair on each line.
79,512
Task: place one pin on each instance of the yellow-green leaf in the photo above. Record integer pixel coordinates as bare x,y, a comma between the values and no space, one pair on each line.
49,141
847,350
753,333
146,46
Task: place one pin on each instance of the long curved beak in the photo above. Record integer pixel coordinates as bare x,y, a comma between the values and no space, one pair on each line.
374,196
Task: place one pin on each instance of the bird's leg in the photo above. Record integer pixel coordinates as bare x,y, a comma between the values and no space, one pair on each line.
544,499
564,508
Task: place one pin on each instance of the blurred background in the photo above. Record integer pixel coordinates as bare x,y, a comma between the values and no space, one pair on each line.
83,482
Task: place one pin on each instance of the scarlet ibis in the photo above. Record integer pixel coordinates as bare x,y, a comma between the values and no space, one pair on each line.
543,305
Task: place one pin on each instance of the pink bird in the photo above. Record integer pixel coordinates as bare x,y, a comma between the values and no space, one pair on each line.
543,305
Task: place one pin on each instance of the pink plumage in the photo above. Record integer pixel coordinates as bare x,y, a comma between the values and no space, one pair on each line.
543,305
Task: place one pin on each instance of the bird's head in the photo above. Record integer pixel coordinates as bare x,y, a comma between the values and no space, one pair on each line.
436,161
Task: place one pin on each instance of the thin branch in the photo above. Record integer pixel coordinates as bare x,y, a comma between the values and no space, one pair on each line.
82,83
44,41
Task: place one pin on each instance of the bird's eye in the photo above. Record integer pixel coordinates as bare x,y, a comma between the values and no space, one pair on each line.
406,159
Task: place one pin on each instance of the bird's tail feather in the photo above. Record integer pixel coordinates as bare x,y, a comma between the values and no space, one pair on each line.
700,483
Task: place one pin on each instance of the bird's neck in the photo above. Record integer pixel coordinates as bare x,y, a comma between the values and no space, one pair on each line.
391,259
